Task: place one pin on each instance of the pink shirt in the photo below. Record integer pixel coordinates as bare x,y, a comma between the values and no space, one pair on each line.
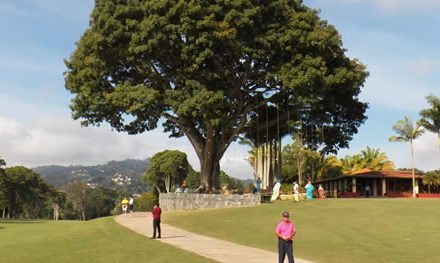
286,229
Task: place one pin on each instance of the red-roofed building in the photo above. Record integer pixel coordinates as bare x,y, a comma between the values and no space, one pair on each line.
391,183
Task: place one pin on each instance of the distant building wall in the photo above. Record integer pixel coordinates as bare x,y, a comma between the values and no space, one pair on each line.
177,201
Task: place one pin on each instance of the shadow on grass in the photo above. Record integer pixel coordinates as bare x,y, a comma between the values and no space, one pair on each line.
20,222
171,237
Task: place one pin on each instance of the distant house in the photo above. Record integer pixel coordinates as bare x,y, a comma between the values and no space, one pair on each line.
391,183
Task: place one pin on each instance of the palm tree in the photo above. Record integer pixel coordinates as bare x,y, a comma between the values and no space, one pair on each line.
431,116
375,160
408,131
351,163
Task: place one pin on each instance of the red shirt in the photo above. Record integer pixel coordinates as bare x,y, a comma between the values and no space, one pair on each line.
156,212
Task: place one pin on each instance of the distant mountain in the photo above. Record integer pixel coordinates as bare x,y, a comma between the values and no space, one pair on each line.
124,175
247,182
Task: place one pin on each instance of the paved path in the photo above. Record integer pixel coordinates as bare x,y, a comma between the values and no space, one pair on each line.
219,250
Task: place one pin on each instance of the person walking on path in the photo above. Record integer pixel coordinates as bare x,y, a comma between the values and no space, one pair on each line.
124,204
131,205
285,232
156,220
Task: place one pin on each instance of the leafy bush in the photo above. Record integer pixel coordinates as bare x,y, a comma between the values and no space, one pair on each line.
145,202
286,188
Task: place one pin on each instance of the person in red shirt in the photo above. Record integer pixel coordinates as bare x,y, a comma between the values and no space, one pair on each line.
285,232
156,220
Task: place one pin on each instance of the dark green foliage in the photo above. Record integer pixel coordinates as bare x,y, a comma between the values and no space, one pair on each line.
102,202
207,67
145,202
84,202
193,178
23,193
432,180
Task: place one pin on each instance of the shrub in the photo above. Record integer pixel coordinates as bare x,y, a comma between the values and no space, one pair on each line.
145,202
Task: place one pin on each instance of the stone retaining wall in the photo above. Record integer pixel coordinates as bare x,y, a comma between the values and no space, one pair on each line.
176,201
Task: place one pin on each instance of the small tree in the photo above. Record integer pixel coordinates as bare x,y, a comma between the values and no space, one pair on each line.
166,169
408,131
77,193
432,179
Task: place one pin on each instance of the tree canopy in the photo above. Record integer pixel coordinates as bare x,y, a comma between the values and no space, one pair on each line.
431,116
167,168
203,69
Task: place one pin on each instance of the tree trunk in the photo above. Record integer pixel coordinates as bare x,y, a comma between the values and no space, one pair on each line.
210,162
56,211
209,172
167,183
413,173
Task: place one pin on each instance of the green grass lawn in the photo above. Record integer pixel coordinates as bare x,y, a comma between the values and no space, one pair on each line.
101,240
358,230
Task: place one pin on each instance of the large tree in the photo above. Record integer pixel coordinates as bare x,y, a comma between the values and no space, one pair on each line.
408,131
202,68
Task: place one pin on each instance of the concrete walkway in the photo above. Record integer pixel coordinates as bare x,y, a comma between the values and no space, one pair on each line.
218,250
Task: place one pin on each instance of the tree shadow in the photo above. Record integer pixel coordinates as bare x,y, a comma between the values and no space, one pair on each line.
20,222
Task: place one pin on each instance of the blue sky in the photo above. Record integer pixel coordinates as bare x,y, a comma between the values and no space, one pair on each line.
396,39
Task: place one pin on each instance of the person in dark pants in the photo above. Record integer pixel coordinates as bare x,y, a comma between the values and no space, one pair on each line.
156,220
285,232
367,191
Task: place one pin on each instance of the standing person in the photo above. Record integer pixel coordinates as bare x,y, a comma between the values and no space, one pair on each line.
285,232
296,191
321,192
367,191
258,184
156,220
131,205
309,190
124,204
183,186
276,190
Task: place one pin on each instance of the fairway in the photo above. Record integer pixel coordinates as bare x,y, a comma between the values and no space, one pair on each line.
343,230
101,240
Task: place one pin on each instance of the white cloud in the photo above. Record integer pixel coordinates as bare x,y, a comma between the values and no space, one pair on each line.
53,139
424,67
393,5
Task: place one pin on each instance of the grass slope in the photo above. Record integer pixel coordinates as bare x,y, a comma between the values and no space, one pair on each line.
359,230
101,240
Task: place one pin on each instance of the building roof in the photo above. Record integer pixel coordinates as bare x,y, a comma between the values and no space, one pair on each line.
367,173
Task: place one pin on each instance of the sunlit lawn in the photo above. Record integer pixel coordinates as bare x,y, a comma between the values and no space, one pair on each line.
357,230
100,240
